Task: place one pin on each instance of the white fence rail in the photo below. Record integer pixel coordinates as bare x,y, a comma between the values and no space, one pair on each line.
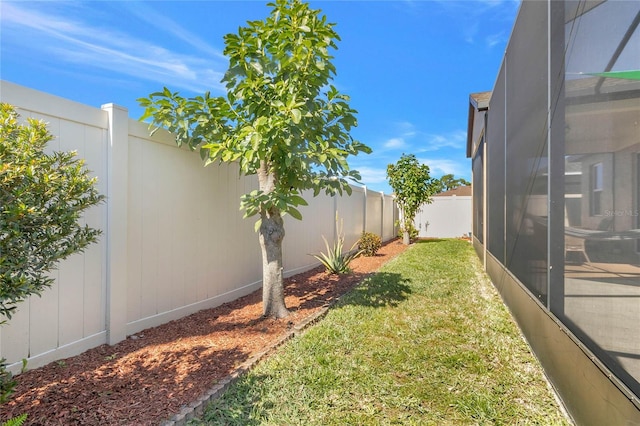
173,243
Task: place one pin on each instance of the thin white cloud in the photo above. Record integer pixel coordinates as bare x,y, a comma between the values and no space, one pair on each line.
406,128
494,39
439,167
167,25
371,175
403,132
455,139
476,16
80,43
395,143
470,33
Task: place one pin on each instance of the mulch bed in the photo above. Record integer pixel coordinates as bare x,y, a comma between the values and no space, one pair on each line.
150,376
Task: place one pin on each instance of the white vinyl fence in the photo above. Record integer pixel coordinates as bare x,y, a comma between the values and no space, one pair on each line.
445,217
174,240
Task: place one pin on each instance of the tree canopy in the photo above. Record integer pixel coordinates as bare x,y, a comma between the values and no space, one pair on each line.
449,182
281,119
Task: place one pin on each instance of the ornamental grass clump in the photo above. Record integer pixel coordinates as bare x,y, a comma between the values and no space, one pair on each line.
335,260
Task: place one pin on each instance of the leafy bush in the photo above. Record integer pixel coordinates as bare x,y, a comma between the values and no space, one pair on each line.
42,198
369,243
7,382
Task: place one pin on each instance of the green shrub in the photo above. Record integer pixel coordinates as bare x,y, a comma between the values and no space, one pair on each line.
7,382
42,198
369,243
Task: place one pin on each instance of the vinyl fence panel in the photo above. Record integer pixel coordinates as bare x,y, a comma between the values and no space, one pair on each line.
174,240
304,238
389,217
374,212
445,217
351,212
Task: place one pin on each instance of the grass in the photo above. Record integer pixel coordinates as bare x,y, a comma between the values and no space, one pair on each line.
426,341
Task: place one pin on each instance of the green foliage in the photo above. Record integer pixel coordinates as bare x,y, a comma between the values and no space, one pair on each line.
42,198
7,382
281,118
449,182
16,421
410,229
412,185
369,243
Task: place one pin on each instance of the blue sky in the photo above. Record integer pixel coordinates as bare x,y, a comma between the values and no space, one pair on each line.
408,66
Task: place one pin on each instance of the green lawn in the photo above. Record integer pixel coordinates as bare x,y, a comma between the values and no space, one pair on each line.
425,341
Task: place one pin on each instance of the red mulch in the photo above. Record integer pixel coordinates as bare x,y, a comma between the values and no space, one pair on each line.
148,377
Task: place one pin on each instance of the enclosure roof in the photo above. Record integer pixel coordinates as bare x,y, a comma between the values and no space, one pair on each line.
480,100
477,102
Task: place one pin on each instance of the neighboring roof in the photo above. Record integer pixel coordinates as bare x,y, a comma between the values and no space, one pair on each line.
461,191
478,102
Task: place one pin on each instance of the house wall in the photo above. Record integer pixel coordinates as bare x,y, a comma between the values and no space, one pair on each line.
174,240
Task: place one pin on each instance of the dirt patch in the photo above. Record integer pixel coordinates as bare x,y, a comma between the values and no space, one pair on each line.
150,376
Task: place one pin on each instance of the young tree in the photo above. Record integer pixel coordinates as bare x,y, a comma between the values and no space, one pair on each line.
42,198
280,119
413,186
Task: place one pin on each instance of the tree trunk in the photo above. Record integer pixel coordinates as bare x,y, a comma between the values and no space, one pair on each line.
271,234
406,239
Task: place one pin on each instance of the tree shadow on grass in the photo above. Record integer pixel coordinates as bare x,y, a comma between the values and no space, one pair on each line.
247,401
380,290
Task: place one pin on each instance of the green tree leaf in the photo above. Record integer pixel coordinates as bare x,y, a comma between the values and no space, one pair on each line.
295,213
297,115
